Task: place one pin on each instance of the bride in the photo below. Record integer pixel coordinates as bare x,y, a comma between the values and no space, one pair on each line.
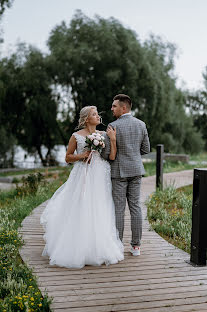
79,220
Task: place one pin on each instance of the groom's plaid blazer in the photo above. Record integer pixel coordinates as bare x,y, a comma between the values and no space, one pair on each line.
132,142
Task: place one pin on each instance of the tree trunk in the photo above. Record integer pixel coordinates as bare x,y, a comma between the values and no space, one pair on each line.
44,162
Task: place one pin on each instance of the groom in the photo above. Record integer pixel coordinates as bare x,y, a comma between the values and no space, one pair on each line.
127,168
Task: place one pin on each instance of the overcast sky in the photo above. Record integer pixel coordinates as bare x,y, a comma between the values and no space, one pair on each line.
182,22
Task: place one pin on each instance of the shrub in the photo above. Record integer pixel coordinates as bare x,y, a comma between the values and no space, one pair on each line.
170,215
30,184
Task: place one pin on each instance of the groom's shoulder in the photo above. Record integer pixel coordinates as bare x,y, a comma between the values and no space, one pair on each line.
134,120
139,121
114,123
130,120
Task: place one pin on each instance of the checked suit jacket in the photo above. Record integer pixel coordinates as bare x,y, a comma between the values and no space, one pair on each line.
132,141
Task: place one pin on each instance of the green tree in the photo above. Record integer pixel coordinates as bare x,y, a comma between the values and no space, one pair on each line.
7,139
29,109
9,90
98,58
89,62
5,4
95,59
6,148
40,117
197,105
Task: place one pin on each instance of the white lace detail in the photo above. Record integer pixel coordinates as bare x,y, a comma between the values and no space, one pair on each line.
80,142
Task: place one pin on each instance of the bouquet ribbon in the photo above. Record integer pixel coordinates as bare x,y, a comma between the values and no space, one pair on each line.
87,162
89,156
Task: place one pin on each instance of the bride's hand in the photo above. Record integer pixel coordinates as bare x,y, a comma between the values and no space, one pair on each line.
85,155
111,133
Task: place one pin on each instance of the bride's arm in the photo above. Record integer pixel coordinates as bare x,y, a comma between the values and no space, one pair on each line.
112,135
70,156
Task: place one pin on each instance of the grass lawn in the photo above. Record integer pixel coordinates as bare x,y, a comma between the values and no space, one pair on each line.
170,215
199,157
28,171
18,286
170,166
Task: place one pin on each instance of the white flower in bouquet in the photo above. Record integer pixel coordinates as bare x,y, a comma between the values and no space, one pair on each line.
95,142
90,137
96,135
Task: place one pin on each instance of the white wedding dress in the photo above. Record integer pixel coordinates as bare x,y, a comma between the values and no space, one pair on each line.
79,220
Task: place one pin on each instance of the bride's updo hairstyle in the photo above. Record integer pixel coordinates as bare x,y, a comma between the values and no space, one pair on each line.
84,113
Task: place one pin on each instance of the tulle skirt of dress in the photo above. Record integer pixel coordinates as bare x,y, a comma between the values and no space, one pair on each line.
79,220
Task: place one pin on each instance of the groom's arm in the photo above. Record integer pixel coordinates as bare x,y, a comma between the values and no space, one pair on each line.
145,145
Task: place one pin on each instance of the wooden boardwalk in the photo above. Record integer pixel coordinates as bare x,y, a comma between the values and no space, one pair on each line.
158,280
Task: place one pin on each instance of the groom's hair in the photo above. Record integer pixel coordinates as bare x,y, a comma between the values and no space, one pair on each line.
124,99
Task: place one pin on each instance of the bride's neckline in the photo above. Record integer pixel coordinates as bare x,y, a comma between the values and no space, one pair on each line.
81,135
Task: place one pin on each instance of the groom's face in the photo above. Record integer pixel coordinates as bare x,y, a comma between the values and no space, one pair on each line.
117,109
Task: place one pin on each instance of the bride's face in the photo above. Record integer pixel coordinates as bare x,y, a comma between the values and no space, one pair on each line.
93,118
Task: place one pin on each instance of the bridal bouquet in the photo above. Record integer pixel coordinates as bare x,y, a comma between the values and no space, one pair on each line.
95,142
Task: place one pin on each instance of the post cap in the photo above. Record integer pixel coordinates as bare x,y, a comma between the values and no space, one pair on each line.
200,172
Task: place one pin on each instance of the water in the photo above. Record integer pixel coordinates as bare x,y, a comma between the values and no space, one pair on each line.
24,160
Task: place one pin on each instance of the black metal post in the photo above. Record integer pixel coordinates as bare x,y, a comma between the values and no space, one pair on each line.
199,218
159,166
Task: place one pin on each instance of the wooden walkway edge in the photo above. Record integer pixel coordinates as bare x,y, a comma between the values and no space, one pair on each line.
159,280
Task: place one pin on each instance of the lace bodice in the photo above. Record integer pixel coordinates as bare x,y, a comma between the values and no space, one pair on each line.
80,142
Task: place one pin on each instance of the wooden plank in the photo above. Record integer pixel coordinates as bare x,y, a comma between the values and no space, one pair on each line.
145,275
100,293
130,285
181,308
123,305
124,276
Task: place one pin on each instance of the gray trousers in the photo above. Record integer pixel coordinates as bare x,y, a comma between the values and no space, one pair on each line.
128,189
